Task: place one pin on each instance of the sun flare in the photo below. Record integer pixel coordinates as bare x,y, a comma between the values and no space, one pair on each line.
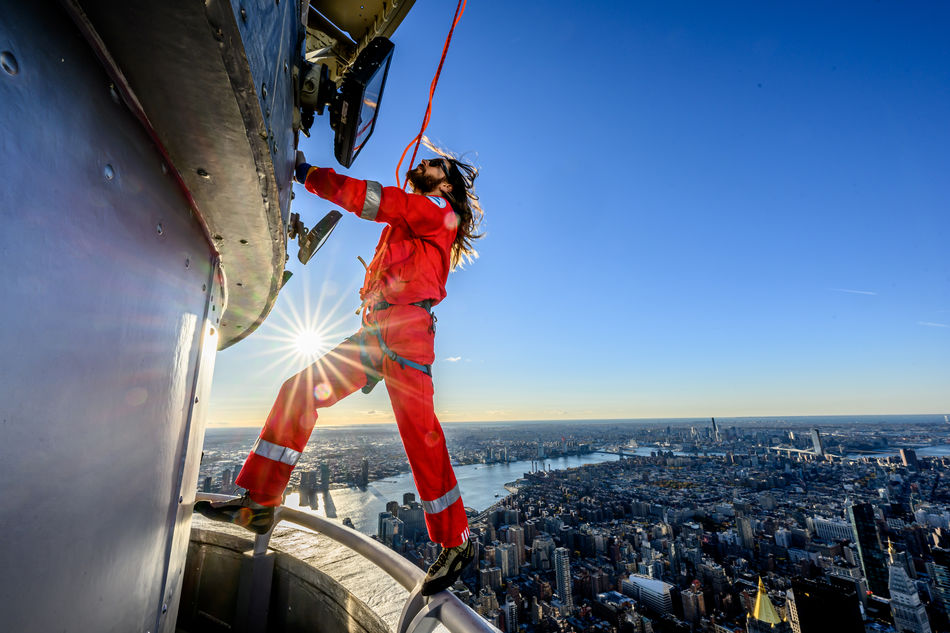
310,343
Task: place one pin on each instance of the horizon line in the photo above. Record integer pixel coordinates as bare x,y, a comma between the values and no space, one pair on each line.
688,418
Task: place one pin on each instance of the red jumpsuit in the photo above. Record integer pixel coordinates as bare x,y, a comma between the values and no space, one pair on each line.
411,264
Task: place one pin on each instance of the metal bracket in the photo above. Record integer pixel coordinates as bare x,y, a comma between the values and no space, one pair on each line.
254,586
421,613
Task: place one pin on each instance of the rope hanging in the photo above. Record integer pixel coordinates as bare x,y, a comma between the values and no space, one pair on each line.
459,10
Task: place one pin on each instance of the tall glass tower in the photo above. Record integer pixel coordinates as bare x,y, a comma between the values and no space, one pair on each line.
562,567
873,561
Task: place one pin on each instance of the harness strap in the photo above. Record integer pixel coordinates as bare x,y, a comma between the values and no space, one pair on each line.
373,377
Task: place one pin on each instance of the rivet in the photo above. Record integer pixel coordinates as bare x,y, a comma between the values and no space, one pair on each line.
285,63
113,93
108,172
264,90
203,173
212,308
243,15
243,241
164,608
159,228
164,168
211,331
218,238
196,399
267,113
187,262
204,287
240,285
9,63
180,499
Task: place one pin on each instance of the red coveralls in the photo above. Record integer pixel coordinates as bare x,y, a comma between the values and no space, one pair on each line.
411,264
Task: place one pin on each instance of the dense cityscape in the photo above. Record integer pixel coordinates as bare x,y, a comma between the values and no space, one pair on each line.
751,525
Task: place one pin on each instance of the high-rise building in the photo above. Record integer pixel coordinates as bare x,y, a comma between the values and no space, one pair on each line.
510,610
562,567
364,472
408,498
325,476
542,552
909,459
908,612
870,552
507,559
939,571
816,443
746,532
694,604
816,607
413,517
516,538
764,618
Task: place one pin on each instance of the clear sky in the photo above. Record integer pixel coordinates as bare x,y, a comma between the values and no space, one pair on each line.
692,209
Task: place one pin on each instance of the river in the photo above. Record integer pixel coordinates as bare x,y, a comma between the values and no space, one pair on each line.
481,486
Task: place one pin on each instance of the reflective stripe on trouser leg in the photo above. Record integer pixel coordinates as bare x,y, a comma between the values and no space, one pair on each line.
267,469
411,394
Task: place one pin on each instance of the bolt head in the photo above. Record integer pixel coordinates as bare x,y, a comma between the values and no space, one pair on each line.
9,63
108,172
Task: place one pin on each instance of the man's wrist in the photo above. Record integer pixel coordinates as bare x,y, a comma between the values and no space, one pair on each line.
300,173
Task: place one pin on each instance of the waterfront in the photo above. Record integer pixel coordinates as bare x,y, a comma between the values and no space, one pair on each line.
481,486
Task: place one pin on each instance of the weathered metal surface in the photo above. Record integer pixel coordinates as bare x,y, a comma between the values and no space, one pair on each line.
304,597
352,25
110,292
215,80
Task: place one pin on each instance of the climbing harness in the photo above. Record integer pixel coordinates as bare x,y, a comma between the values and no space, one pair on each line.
373,375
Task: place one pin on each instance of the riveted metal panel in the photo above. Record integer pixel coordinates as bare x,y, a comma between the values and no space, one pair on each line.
110,290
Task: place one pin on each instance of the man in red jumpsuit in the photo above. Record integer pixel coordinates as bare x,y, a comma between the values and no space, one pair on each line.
427,233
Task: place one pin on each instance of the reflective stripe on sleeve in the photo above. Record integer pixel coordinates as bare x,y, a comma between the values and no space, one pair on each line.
443,502
275,452
374,192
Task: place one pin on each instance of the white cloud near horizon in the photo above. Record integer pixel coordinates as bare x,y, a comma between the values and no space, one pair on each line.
855,292
453,359
932,324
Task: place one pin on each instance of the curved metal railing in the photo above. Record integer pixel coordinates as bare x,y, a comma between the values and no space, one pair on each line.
420,614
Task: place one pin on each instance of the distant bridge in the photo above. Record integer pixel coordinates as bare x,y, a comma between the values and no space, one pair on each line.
616,452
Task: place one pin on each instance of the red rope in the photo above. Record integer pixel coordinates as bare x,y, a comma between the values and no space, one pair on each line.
459,10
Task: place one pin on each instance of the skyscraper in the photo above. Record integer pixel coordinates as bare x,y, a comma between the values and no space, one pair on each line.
815,607
909,459
939,571
562,567
866,536
516,538
816,442
511,616
507,559
542,552
908,611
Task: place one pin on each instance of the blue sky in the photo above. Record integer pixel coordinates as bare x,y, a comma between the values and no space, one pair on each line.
691,210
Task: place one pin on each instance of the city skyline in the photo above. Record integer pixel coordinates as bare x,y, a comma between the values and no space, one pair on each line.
742,217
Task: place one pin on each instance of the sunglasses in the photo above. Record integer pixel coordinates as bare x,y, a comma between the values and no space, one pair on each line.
444,164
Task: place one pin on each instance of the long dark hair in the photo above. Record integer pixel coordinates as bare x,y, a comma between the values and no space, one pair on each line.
462,178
